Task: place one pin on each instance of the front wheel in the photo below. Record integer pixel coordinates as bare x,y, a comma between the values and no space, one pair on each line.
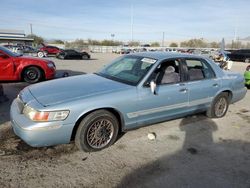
97,131
219,106
32,75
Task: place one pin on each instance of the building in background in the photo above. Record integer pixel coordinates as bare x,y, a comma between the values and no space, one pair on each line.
14,37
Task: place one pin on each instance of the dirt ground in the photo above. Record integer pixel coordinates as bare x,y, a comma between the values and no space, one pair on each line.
194,151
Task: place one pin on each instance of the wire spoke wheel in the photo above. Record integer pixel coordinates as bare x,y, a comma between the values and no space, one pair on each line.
221,107
100,133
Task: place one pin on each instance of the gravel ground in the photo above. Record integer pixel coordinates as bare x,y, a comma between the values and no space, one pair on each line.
190,152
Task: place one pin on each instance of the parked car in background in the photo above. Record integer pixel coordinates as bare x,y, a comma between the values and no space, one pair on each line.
134,91
72,54
247,77
16,67
240,55
26,50
29,50
50,50
125,51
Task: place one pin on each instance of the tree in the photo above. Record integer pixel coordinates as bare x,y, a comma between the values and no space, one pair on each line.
58,42
214,45
194,43
134,43
77,44
173,44
155,44
37,40
110,43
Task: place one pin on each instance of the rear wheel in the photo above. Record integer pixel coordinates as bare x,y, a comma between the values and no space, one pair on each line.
97,131
219,106
85,56
40,54
32,75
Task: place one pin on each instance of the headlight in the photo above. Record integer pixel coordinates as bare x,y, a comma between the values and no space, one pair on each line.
51,65
45,116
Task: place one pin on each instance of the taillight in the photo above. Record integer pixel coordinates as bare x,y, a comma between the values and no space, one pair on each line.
248,68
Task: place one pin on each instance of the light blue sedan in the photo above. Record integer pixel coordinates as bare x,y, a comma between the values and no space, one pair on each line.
133,91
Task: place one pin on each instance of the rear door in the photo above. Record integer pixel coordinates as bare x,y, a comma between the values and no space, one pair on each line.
6,67
202,83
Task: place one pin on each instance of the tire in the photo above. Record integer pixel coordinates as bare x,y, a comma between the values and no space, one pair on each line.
85,57
60,57
40,54
247,60
89,132
219,106
32,75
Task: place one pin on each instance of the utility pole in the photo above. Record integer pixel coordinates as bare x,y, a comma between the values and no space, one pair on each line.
132,23
163,39
31,31
112,36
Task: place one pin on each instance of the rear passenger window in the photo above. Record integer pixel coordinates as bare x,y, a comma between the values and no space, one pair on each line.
198,70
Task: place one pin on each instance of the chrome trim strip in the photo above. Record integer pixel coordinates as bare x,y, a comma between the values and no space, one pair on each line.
169,107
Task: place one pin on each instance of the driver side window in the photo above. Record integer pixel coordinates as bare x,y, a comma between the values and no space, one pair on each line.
167,73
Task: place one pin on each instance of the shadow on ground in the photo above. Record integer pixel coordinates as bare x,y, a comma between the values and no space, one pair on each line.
60,73
200,163
10,145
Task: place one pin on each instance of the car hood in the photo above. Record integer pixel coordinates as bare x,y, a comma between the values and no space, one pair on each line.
73,88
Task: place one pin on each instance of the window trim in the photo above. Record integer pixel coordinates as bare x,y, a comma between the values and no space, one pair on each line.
187,79
181,72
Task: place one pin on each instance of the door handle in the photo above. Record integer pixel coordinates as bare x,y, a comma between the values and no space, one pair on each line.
215,85
184,90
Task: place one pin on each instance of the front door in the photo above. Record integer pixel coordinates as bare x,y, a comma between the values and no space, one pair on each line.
170,99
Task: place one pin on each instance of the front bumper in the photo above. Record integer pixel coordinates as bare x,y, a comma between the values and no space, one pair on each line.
39,134
50,73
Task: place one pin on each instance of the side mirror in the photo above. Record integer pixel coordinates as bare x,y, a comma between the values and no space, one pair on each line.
153,87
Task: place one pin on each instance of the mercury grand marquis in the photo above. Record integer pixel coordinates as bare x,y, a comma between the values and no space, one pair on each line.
133,91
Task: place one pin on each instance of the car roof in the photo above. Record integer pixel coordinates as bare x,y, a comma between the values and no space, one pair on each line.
165,55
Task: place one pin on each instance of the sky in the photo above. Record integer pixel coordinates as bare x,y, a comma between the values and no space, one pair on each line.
99,19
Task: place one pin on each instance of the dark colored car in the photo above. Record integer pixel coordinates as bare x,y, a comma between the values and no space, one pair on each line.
72,54
50,50
16,67
240,55
125,51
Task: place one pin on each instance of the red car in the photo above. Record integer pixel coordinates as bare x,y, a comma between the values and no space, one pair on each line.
15,67
51,50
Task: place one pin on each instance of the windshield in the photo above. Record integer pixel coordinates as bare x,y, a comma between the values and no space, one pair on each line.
8,52
128,69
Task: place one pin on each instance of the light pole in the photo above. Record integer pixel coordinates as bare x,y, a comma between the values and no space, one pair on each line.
132,23
112,36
